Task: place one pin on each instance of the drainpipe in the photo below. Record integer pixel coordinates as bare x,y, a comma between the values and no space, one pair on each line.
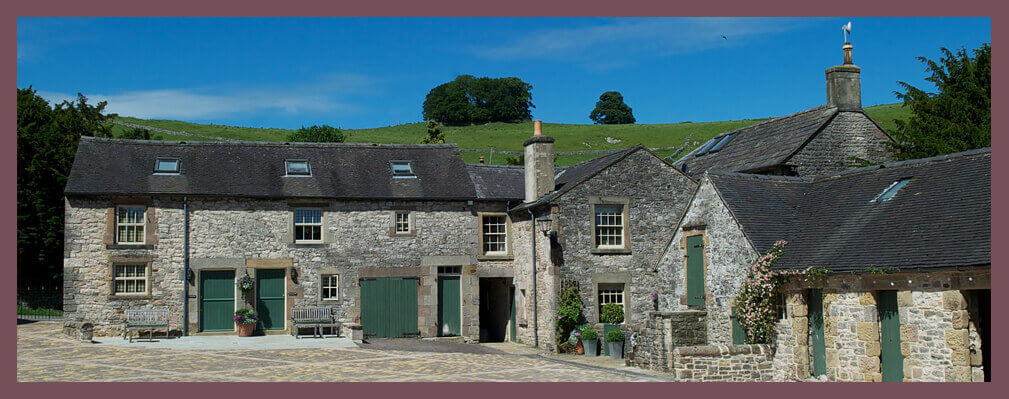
185,266
536,319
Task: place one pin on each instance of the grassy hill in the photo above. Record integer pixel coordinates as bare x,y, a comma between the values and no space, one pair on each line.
509,136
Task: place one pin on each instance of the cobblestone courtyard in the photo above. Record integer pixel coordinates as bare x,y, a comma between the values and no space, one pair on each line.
44,354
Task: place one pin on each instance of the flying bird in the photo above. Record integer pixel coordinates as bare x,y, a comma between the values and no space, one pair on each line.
723,37
846,28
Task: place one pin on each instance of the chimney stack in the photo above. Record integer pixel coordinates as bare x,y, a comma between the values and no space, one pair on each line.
844,87
539,163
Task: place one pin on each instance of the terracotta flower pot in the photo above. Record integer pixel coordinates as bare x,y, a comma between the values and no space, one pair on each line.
579,348
245,330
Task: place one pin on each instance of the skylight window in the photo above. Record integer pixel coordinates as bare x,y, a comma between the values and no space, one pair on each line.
298,167
402,169
166,165
890,191
721,143
707,146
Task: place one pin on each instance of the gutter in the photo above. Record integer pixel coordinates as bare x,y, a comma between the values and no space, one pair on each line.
185,266
536,324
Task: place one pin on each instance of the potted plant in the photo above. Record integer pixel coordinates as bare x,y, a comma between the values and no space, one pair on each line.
611,315
615,342
246,320
589,338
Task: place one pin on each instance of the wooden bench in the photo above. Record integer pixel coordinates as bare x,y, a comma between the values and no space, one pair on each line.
315,317
144,319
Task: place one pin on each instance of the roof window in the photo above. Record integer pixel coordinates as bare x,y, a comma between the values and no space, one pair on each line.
721,143
707,146
890,191
167,165
402,169
298,167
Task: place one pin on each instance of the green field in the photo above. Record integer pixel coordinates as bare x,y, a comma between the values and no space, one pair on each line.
509,136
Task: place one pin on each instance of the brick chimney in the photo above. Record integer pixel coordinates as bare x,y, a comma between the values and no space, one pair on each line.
539,163
844,87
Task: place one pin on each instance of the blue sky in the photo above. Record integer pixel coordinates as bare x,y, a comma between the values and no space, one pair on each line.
371,72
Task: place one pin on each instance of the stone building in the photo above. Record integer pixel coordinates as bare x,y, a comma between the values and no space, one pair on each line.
901,260
826,139
358,228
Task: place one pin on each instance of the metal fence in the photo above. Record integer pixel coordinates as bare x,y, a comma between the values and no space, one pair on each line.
40,304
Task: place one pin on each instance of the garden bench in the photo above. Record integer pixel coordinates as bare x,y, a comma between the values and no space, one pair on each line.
144,319
315,317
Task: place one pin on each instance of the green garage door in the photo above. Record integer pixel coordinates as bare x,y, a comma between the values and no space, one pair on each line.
217,307
389,307
270,298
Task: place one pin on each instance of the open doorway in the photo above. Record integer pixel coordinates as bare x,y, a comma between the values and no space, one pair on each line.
495,308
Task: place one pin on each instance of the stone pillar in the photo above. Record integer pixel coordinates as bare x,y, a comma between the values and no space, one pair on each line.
957,337
799,315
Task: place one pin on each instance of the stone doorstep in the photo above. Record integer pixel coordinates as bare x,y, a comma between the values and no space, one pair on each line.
457,339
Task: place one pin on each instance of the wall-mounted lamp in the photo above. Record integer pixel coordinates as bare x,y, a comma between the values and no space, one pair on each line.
543,224
190,275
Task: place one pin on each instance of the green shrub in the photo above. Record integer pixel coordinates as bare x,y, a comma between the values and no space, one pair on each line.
569,312
589,334
612,313
615,336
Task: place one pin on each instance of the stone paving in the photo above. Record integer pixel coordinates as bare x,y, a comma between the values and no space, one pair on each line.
44,354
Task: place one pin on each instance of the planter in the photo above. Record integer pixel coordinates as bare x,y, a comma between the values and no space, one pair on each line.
616,349
590,347
245,330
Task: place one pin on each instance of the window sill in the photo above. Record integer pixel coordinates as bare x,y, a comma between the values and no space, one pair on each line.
307,245
121,296
610,251
495,257
129,246
410,234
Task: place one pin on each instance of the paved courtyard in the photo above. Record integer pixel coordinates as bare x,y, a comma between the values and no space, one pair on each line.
44,354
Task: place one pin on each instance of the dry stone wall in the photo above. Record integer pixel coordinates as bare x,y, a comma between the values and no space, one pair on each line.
652,343
723,363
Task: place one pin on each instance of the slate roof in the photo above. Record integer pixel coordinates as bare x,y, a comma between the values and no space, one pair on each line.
940,219
498,182
762,145
257,169
567,178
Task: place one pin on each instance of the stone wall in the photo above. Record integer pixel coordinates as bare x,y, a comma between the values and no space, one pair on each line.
543,314
938,334
849,134
727,255
723,363
653,341
244,235
656,194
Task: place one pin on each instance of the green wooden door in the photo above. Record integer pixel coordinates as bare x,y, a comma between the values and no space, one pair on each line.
695,270
513,327
815,305
217,306
738,335
449,307
892,361
270,298
389,307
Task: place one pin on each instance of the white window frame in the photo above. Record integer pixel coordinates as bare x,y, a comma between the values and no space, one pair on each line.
146,278
398,221
320,225
483,234
142,224
335,286
604,290
622,235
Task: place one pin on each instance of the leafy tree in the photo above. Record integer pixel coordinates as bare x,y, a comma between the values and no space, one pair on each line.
47,140
139,133
317,134
515,160
611,110
471,100
434,134
958,118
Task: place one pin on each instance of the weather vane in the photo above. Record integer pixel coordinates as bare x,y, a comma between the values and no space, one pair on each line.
846,28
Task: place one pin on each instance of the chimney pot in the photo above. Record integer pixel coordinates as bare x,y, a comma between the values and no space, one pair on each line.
537,128
847,54
481,159
539,164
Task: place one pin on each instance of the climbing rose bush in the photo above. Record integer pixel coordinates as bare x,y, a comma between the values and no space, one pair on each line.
755,307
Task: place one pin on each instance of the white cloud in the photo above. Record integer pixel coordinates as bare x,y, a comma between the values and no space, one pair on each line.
630,37
327,94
